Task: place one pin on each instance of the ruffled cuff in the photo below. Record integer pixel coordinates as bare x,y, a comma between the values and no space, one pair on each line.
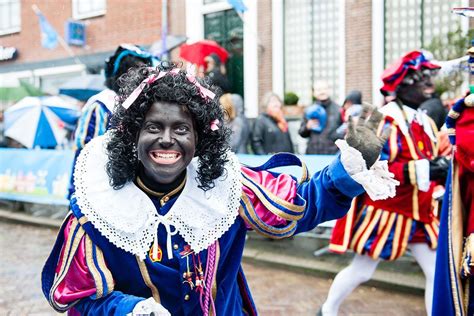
377,181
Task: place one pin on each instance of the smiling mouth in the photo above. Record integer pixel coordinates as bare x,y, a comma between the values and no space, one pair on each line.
164,157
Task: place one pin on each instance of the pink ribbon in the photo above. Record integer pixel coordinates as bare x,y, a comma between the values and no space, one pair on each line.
204,92
215,125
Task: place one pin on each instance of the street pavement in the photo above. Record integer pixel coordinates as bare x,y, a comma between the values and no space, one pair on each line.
24,249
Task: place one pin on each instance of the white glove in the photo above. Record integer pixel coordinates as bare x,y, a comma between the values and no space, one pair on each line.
149,307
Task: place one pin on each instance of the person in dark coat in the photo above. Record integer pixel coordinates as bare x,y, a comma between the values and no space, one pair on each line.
232,104
270,132
322,142
215,70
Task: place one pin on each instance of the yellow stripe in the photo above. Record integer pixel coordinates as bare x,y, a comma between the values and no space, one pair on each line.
276,199
434,146
72,245
260,228
416,211
411,147
393,143
146,278
383,222
383,238
92,268
453,114
396,237
406,235
347,229
103,267
412,172
364,224
368,231
433,237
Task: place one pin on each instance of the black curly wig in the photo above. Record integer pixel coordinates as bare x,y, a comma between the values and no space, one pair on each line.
174,88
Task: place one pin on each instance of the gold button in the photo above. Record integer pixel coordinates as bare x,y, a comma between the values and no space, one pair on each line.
175,246
186,297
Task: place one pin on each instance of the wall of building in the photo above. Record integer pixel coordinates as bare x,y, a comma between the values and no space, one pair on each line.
358,37
124,21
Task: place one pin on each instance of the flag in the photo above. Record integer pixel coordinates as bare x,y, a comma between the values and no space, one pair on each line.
49,37
238,5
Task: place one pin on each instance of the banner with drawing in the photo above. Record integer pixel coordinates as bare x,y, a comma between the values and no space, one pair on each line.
36,176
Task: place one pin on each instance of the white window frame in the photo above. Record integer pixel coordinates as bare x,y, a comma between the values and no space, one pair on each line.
13,29
78,16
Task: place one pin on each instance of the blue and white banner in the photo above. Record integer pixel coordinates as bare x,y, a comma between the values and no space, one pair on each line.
42,176
36,176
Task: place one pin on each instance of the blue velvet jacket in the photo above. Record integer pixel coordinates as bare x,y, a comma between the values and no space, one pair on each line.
121,280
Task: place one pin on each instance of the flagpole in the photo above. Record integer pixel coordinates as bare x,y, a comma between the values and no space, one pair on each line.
62,42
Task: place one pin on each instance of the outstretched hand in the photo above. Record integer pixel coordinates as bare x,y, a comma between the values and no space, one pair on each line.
363,135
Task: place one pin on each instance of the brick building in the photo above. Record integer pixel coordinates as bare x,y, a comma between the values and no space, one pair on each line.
279,45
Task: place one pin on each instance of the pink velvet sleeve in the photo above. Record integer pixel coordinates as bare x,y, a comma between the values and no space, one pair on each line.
283,186
78,282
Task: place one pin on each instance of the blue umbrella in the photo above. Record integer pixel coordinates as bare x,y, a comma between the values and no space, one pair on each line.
40,121
83,87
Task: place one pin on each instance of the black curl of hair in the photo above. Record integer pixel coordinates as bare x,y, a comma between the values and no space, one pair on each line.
175,88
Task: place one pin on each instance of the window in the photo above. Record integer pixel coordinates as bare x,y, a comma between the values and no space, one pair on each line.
10,17
311,35
83,9
412,24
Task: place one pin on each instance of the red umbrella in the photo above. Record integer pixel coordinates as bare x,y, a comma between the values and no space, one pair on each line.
196,52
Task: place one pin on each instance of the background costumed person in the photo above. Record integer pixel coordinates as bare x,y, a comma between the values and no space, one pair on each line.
162,206
454,283
98,110
383,230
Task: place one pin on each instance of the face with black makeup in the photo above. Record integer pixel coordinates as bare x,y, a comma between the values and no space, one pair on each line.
166,142
417,87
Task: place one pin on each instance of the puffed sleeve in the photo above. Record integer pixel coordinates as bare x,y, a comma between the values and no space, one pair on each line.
76,278
277,205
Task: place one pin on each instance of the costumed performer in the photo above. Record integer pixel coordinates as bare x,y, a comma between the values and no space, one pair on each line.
383,230
162,206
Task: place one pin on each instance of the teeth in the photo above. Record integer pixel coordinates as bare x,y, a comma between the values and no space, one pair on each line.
165,156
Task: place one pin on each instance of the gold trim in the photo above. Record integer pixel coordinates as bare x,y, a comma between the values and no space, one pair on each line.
93,269
393,143
276,199
385,233
260,228
83,220
368,231
383,221
433,238
406,235
362,227
146,278
415,205
347,229
453,114
65,265
396,237
103,267
173,192
412,172
434,145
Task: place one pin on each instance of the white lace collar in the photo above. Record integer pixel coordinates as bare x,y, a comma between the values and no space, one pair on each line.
393,110
128,218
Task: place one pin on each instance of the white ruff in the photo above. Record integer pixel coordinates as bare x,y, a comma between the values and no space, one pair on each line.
128,218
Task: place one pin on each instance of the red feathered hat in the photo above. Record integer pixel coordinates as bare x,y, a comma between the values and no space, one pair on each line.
394,74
